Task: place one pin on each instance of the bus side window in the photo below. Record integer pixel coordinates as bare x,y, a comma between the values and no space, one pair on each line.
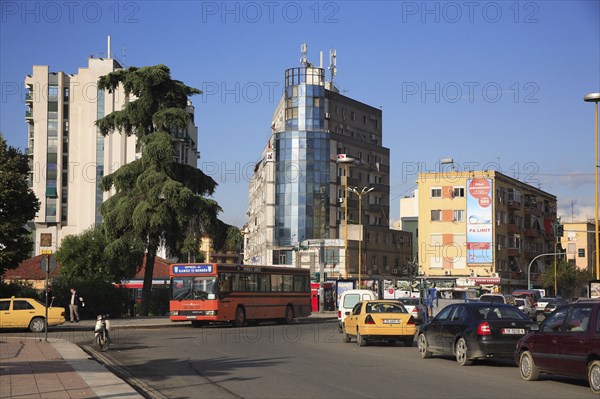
225,285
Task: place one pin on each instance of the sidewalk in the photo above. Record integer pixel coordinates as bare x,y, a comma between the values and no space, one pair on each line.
33,368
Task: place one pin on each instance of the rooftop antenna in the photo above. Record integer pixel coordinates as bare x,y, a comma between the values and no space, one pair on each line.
123,52
304,57
108,52
332,64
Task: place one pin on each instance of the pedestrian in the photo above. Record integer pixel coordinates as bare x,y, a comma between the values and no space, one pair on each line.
50,297
74,304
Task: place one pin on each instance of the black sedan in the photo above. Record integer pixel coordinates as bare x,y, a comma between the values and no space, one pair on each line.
473,330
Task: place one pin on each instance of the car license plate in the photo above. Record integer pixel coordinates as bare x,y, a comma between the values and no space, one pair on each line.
513,331
391,321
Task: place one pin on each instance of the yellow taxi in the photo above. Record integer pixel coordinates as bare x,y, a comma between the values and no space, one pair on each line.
28,313
379,320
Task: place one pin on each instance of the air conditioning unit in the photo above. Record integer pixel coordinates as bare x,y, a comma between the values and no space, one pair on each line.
341,199
327,115
498,222
447,272
394,271
499,247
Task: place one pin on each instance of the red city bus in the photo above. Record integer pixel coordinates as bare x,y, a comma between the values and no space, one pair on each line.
212,292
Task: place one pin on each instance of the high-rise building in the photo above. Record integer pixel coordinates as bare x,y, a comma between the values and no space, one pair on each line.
483,230
298,197
579,243
69,156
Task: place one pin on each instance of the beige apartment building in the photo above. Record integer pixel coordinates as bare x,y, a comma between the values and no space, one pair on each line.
579,244
483,230
69,156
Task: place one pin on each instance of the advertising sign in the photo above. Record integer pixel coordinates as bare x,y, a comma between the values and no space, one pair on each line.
479,221
193,269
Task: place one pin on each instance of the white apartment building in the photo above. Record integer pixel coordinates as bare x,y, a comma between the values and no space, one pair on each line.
69,156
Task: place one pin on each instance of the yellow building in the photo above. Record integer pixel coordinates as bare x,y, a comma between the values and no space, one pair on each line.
578,241
483,229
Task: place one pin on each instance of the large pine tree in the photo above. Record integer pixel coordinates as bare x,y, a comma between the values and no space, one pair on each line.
18,205
157,201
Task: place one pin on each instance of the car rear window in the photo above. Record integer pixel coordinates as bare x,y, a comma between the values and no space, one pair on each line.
500,312
410,301
385,307
350,300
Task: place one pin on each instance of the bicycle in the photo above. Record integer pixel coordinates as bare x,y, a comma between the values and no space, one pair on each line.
101,330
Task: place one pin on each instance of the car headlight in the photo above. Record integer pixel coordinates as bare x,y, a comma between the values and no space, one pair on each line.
211,313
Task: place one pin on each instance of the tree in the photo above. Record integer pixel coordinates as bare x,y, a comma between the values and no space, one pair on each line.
157,202
18,205
568,278
83,255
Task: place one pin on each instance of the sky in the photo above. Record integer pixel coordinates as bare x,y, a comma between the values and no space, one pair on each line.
494,85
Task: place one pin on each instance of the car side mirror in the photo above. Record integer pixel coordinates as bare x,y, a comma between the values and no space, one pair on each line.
534,327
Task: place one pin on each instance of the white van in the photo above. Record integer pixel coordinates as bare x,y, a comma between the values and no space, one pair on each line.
350,298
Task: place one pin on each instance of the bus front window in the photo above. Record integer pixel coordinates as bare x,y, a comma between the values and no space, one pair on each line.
193,288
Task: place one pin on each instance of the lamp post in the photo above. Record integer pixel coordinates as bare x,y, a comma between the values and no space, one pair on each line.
360,193
595,98
346,161
531,263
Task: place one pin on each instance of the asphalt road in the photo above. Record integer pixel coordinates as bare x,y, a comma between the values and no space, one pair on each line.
308,360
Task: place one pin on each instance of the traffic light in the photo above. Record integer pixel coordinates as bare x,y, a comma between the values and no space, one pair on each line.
559,230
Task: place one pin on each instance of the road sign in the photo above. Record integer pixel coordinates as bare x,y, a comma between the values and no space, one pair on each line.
48,263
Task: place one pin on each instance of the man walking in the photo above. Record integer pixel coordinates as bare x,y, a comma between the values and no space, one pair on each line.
74,304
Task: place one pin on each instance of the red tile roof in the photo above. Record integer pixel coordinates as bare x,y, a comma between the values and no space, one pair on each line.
30,269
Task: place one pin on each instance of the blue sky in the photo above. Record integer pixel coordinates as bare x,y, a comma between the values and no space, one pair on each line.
492,84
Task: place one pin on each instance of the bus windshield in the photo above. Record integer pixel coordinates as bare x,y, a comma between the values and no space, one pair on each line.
193,288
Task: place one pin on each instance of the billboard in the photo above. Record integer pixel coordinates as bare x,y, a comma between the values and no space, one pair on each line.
480,234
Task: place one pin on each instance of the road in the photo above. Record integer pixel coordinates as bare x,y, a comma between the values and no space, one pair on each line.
308,360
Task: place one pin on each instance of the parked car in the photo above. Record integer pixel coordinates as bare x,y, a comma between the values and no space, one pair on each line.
414,307
28,313
473,330
525,306
541,305
533,295
379,320
350,298
552,304
566,343
498,298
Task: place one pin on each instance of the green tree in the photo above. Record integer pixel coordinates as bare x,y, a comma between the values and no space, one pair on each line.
235,240
569,278
156,201
83,255
18,205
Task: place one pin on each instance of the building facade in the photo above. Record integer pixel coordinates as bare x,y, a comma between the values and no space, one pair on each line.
579,244
298,197
483,230
69,156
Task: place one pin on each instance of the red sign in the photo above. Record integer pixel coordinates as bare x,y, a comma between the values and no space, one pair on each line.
479,245
479,188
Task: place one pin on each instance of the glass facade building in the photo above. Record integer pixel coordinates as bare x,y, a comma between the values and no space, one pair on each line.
302,158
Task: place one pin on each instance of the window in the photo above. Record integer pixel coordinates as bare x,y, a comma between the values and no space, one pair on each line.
445,313
579,319
22,305
288,283
436,215
276,282
4,305
581,252
436,240
458,192
554,322
436,192
458,215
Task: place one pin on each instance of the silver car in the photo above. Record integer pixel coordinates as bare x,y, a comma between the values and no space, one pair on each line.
414,307
524,306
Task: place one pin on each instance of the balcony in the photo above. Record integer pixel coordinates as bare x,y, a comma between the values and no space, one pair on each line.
513,205
533,233
28,98
513,228
29,115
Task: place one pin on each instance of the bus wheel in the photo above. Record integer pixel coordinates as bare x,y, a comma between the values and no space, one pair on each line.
240,317
289,314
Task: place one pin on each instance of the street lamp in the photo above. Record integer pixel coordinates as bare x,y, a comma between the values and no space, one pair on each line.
595,98
346,161
531,263
360,193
